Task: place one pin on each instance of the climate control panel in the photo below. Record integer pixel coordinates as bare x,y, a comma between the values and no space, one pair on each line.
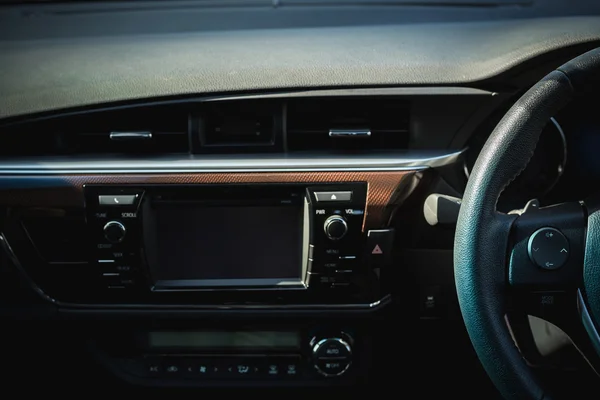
325,355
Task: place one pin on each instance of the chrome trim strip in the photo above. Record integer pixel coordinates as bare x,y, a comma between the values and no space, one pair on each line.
588,324
212,307
349,133
130,135
5,246
398,161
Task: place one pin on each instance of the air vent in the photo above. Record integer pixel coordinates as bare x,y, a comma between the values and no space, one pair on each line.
347,124
142,130
238,125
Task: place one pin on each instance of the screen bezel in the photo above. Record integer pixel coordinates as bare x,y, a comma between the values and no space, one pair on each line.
151,258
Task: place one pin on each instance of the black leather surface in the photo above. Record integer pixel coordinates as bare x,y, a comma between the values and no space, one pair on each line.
482,235
583,72
591,266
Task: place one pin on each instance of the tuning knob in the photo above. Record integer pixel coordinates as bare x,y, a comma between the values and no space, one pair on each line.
331,356
335,227
114,231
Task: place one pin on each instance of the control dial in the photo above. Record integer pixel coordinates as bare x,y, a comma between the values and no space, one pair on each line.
114,231
335,227
548,248
331,356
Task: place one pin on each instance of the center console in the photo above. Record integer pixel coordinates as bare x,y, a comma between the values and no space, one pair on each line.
284,245
279,275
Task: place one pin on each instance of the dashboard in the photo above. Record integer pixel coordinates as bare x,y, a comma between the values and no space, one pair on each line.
190,206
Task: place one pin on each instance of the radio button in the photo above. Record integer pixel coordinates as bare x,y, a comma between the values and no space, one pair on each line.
117,200
311,252
331,265
124,268
333,196
112,278
348,264
332,252
127,281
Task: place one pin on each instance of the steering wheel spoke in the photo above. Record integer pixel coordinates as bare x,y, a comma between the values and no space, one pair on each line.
545,267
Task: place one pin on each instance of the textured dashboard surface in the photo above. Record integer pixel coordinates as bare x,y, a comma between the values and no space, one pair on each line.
43,75
67,190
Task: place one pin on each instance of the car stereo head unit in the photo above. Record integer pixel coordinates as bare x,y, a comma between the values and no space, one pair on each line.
230,244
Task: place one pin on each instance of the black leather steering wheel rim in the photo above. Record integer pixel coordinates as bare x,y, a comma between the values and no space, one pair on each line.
482,233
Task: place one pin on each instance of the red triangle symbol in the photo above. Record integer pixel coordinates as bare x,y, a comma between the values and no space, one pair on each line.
377,250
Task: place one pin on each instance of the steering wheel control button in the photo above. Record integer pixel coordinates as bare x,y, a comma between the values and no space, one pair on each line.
549,305
430,302
117,200
380,243
333,196
548,248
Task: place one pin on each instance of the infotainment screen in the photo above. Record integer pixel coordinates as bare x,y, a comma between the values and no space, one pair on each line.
200,246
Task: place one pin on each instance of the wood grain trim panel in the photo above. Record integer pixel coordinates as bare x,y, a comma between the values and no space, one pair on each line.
67,191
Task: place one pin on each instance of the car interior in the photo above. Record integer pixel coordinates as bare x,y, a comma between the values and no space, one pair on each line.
418,181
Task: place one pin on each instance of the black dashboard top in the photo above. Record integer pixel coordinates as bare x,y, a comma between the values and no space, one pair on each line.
64,72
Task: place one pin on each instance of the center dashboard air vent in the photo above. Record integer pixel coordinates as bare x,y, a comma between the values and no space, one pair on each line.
131,131
347,124
240,126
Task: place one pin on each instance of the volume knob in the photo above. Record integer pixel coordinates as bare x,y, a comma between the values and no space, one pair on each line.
335,227
114,231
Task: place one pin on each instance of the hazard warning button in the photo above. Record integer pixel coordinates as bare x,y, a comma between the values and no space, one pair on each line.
380,243
377,250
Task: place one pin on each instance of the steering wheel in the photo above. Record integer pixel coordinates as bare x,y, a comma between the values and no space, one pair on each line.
545,261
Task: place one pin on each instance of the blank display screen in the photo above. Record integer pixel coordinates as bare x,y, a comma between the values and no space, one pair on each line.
229,246
224,340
